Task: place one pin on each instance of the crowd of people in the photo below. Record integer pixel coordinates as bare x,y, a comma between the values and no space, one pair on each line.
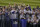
24,12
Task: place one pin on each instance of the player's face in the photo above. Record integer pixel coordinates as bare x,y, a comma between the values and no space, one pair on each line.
34,17
0,9
38,11
27,8
22,8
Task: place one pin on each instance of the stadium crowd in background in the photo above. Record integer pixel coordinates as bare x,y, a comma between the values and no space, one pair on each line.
11,12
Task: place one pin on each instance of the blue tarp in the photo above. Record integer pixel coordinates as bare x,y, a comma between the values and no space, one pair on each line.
23,23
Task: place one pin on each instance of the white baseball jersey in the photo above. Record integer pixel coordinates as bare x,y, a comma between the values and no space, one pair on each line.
13,14
21,14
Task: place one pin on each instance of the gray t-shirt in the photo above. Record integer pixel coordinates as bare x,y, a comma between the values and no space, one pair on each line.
1,16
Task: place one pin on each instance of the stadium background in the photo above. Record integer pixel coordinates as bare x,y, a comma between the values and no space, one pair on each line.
33,3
